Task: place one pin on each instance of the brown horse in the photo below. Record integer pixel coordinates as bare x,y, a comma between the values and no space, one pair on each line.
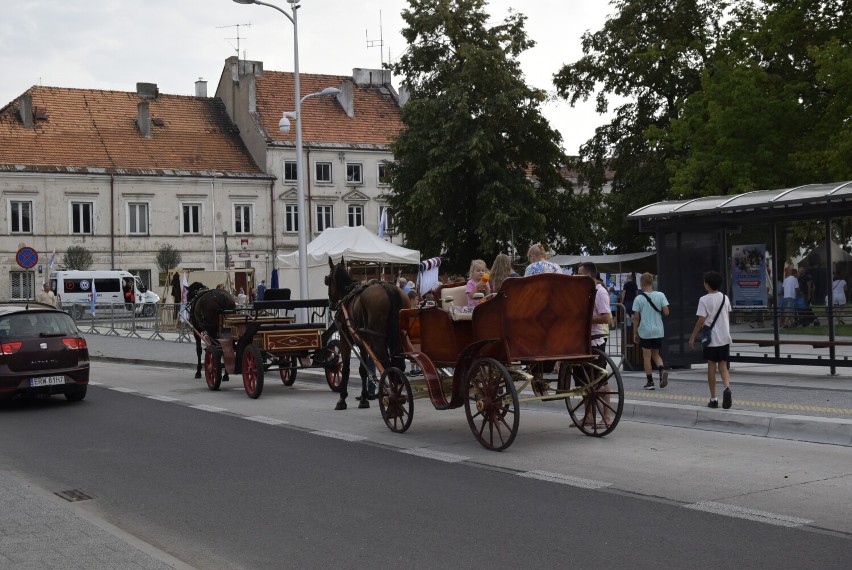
204,307
374,316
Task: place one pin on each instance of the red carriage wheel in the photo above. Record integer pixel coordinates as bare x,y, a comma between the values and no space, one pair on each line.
287,366
491,407
396,401
596,410
213,367
253,371
333,365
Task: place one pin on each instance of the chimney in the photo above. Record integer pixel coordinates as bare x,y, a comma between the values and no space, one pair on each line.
147,90
143,119
346,97
201,88
26,104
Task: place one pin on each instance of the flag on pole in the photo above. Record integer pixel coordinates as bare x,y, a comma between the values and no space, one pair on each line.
383,222
184,288
51,260
94,295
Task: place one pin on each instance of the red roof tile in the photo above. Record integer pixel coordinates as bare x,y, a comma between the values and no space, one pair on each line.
92,129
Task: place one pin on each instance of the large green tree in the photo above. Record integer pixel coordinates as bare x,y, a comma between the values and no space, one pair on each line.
476,157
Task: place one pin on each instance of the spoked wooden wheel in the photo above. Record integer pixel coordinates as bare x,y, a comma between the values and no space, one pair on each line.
253,371
396,400
213,367
595,410
333,365
287,366
491,407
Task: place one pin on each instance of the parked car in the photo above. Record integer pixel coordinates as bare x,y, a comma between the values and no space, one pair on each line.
41,353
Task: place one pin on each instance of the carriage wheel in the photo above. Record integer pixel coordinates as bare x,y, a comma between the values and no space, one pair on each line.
333,365
253,371
213,367
596,411
491,407
287,366
396,400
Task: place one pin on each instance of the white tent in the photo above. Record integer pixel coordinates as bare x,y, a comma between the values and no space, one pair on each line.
355,244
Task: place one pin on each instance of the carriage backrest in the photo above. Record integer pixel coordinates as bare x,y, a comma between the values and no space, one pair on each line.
455,291
541,317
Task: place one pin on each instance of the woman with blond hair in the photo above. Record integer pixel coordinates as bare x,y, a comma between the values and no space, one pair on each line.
538,262
500,270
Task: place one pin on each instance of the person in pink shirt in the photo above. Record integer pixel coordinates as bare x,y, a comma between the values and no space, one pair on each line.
478,283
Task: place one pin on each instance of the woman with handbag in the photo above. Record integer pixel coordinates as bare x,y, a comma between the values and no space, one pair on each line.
713,326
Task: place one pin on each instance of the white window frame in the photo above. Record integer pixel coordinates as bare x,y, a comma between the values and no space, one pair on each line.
382,165
247,211
324,217
355,213
320,180
19,217
198,230
83,206
131,218
350,179
294,171
291,218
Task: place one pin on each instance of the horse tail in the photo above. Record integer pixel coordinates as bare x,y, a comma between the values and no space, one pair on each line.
392,331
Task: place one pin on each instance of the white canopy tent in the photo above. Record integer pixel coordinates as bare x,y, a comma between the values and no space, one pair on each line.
353,243
621,263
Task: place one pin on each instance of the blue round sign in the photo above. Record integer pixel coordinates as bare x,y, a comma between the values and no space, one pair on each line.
26,257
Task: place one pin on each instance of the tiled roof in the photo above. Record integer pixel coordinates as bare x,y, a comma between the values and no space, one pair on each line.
88,130
376,119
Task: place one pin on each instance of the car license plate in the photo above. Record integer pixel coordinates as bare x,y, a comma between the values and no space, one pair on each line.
47,381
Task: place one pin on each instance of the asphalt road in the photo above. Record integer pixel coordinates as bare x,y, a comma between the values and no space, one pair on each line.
217,491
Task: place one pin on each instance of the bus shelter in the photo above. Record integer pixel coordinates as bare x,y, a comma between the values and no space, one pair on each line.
754,240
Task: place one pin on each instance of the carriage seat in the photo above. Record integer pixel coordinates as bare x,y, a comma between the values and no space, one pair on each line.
459,299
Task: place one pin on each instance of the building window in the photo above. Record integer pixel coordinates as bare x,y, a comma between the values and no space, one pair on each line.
324,217
82,220
382,174
22,215
354,174
356,215
291,218
290,171
323,172
242,218
191,218
21,285
137,219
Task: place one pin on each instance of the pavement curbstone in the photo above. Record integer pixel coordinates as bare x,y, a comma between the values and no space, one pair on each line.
747,423
666,414
818,430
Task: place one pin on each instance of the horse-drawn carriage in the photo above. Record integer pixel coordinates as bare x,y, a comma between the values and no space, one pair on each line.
535,333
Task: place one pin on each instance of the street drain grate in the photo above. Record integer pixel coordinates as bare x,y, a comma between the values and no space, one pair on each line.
74,495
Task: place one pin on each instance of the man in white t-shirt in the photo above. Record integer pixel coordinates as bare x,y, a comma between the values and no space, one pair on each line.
714,310
791,290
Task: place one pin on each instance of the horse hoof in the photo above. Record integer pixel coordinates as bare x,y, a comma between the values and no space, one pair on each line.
363,404
198,374
341,405
225,378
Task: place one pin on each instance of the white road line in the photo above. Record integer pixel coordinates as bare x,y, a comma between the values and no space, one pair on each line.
93,383
164,398
206,408
565,479
120,389
749,514
266,420
432,454
339,435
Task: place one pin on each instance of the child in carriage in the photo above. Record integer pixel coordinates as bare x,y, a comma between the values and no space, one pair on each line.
478,283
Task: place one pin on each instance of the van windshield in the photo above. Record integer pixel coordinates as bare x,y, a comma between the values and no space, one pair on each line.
139,285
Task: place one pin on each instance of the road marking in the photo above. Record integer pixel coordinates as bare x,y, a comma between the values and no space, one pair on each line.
266,420
206,408
339,435
165,398
749,514
565,479
120,389
432,454
93,383
748,403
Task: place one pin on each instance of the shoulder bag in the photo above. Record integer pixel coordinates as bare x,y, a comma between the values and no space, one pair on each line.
707,330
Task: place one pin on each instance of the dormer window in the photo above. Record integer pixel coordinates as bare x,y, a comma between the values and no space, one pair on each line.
354,173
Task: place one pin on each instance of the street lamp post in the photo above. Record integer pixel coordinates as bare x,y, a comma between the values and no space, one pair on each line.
284,123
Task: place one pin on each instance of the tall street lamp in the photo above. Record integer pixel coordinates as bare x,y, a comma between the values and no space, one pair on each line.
292,15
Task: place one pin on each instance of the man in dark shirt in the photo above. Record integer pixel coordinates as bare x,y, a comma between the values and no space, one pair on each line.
806,286
628,294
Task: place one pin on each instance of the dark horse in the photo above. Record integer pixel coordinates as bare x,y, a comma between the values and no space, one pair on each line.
374,316
204,306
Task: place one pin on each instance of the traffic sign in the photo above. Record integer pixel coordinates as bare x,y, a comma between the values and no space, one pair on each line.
26,257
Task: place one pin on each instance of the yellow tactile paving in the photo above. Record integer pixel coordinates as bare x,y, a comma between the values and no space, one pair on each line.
746,403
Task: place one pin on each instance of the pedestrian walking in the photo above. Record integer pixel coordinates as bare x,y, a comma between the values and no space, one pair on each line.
714,310
790,287
649,308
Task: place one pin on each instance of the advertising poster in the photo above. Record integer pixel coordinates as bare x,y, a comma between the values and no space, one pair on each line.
748,275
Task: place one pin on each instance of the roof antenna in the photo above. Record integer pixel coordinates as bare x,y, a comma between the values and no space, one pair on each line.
236,47
379,43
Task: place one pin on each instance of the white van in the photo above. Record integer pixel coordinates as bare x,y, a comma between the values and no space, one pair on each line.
75,288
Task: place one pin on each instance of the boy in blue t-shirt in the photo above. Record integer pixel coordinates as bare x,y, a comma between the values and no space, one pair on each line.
649,308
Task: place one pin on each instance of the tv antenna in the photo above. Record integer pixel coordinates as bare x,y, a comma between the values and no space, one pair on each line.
379,43
238,38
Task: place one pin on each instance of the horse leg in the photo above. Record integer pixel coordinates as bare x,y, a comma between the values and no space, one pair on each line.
198,354
365,396
344,380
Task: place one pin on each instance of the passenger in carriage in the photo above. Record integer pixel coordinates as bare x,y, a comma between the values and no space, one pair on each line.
501,270
601,321
478,283
538,262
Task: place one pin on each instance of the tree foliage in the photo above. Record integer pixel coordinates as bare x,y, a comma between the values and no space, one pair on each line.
168,257
473,134
77,258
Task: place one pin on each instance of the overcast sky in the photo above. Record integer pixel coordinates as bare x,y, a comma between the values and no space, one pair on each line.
112,44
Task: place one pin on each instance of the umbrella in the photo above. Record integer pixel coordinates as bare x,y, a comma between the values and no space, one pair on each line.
274,283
